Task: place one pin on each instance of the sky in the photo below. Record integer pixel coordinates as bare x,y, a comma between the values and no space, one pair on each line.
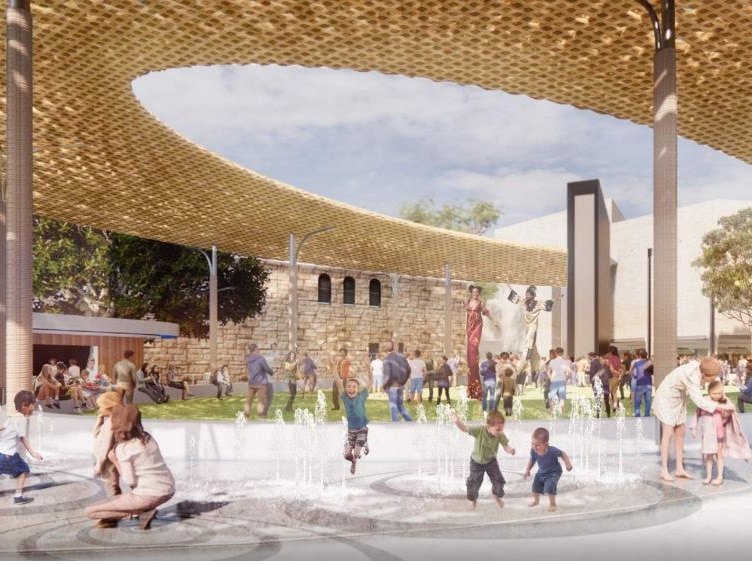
378,142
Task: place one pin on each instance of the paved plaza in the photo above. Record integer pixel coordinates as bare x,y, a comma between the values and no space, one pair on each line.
282,492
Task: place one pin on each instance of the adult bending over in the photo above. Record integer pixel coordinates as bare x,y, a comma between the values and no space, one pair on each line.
140,464
670,407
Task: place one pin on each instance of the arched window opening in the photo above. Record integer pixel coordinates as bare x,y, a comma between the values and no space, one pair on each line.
348,290
374,293
325,289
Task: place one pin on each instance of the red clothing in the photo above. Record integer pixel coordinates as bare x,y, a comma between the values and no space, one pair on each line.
343,368
474,332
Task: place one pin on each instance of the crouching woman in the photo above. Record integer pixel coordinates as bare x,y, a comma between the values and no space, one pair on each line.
140,464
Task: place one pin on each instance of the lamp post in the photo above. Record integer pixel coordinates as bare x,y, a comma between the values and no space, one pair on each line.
212,306
294,251
650,299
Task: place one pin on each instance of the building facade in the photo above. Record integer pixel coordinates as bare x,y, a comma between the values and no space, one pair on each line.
699,329
336,308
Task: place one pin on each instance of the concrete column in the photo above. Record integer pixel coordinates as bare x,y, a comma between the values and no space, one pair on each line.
447,309
3,283
664,210
293,292
395,308
213,310
19,363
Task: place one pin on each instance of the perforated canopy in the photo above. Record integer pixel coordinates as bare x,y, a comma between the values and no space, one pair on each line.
123,170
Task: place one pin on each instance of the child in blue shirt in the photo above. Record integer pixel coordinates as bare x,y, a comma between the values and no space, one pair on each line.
549,468
354,399
11,436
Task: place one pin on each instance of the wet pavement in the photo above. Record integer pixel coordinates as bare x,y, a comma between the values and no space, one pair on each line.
286,494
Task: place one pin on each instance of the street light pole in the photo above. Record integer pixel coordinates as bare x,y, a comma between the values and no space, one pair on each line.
294,251
650,300
212,306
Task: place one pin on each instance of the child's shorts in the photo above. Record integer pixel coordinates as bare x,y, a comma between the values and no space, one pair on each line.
546,483
357,437
13,465
558,389
416,386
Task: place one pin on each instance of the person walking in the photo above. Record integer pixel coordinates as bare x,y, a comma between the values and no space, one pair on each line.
396,374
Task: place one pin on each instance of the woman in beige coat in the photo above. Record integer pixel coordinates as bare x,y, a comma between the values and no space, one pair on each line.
670,407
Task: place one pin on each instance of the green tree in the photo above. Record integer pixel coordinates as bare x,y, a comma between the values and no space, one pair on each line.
70,270
476,218
171,283
726,261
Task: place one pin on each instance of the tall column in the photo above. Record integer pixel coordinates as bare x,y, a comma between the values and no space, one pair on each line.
395,308
447,309
3,283
664,211
213,302
19,363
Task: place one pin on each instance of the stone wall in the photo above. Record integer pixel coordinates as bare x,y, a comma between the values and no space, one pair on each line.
415,318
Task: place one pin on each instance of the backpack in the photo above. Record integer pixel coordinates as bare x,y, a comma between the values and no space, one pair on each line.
213,377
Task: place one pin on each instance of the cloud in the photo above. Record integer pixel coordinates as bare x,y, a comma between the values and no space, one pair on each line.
379,141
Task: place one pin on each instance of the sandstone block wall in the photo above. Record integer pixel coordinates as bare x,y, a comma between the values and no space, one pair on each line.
415,317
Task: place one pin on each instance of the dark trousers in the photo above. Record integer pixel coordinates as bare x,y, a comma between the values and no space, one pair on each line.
475,479
741,399
335,396
507,405
269,397
607,404
625,380
429,381
438,393
293,387
221,389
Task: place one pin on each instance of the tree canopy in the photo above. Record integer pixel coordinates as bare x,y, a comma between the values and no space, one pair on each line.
70,273
171,282
476,218
80,270
726,261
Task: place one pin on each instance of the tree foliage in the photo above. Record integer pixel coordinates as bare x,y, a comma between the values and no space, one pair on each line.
70,273
80,270
726,261
171,283
477,218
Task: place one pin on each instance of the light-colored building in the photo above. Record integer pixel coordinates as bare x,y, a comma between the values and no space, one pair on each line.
630,241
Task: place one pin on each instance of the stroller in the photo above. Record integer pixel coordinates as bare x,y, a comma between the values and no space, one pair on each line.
155,390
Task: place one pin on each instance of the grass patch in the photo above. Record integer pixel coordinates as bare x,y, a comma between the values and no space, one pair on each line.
377,406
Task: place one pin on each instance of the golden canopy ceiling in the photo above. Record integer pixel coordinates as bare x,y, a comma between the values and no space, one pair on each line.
103,160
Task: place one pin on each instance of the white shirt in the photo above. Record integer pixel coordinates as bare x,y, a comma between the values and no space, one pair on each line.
10,436
377,367
454,365
417,368
223,376
558,369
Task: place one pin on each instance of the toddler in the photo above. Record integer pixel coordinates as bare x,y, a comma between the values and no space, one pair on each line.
549,468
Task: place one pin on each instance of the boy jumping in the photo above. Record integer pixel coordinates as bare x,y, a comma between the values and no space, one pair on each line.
354,399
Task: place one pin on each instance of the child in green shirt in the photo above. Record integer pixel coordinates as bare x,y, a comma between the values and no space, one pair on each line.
483,460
